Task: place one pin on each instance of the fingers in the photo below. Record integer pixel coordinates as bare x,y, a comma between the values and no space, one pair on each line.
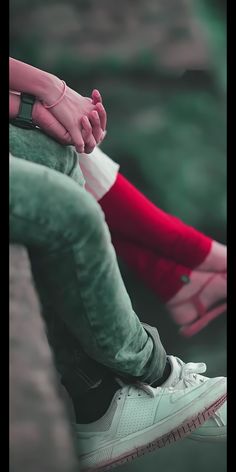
92,129
86,128
97,101
87,134
102,115
96,97
77,139
58,132
96,126
49,124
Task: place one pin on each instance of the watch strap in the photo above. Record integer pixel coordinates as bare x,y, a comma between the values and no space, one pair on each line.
24,117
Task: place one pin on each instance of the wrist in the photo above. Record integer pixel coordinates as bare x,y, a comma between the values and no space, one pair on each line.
51,89
14,104
29,79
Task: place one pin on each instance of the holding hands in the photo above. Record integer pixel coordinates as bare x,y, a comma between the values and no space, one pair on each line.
82,117
59,111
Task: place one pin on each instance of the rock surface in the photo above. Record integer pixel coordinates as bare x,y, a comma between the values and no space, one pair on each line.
40,435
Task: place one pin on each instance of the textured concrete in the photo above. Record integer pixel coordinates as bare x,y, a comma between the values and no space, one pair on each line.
40,435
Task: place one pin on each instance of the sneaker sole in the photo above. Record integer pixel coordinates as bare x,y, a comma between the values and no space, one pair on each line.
186,428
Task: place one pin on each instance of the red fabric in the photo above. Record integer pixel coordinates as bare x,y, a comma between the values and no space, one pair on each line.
133,217
162,275
150,240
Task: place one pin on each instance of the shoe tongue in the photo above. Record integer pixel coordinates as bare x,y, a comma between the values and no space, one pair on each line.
175,371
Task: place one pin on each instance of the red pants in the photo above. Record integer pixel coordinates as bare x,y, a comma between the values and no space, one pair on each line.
157,246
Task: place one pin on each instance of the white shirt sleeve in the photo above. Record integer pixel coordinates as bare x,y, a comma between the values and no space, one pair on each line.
99,171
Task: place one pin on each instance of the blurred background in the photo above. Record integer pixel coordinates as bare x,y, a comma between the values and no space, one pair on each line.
160,66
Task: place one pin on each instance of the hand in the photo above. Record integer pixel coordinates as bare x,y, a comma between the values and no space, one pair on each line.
94,125
42,118
49,124
91,133
70,111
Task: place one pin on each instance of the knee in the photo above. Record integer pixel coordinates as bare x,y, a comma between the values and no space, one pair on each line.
37,147
85,215
76,212
61,210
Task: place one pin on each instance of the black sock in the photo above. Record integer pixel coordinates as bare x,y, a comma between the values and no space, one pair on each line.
93,404
164,376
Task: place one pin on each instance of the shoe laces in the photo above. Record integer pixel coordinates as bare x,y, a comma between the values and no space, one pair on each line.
189,374
137,387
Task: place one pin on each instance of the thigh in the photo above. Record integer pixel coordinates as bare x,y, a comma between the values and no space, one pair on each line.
35,146
46,207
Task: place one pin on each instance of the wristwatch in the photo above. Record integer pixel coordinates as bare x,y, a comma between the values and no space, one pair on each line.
24,117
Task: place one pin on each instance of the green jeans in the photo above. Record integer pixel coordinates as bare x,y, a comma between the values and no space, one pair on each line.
90,321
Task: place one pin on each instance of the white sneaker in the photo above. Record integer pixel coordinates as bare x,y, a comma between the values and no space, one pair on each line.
186,375
142,418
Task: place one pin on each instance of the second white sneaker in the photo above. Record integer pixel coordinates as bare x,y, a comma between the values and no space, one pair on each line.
185,375
141,419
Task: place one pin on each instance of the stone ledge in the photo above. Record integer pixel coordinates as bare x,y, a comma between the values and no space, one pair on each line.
40,435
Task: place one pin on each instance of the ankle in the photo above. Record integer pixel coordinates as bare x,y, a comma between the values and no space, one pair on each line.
164,377
208,286
93,404
216,259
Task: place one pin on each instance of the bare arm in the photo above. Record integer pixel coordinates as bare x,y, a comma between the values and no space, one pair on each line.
69,112
42,118
51,126
29,79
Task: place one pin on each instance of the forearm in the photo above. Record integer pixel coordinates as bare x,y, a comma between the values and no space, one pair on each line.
81,118
29,79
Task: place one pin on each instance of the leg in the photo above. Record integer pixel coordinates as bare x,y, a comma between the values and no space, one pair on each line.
66,235
75,268
193,298
163,233
162,274
35,146
186,269
128,212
